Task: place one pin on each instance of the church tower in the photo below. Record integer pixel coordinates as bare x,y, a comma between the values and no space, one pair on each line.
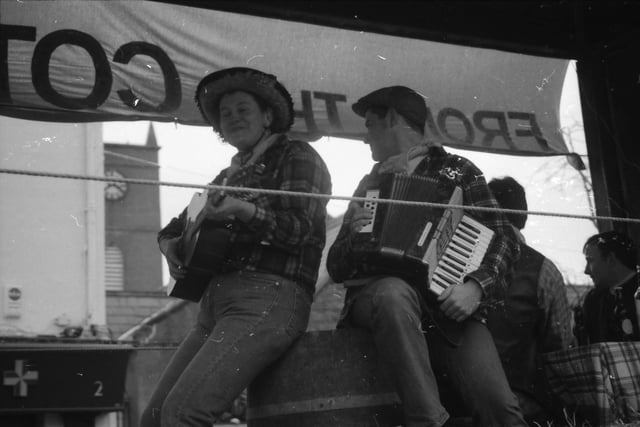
133,263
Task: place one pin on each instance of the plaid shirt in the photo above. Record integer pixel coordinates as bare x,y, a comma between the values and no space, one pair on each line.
599,382
555,328
495,270
287,233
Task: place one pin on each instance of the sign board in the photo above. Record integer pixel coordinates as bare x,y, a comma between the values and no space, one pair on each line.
103,60
62,377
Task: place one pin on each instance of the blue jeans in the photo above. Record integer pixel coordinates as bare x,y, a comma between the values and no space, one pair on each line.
247,320
391,310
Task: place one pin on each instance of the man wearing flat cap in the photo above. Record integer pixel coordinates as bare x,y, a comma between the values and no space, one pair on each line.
427,342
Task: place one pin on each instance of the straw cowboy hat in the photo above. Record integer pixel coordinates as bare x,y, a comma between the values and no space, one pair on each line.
264,86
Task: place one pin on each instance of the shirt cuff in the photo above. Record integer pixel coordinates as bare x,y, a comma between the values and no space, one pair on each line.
483,278
259,220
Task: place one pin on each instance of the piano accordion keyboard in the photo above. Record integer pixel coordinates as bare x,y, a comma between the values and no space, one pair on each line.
463,254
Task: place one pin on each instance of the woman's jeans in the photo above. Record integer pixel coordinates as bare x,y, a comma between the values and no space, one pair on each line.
247,320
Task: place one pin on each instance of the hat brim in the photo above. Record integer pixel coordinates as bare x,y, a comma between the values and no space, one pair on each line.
402,99
378,97
360,108
265,86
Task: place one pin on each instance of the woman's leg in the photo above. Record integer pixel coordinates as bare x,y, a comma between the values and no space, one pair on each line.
257,317
179,361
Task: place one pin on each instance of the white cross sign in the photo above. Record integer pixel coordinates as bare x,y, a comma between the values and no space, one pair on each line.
19,379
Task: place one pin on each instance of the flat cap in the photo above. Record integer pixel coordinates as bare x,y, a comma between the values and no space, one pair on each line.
405,101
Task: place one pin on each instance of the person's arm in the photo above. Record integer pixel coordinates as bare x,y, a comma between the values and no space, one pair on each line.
174,228
554,331
288,221
586,317
496,269
341,263
169,242
170,239
490,280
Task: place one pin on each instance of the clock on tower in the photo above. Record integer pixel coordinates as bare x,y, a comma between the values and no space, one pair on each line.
114,190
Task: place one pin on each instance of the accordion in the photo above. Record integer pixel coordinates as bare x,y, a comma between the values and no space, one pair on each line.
432,247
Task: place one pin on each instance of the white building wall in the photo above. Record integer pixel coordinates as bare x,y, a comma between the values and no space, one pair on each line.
51,229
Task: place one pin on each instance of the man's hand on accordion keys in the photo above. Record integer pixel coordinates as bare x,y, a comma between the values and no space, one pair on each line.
461,301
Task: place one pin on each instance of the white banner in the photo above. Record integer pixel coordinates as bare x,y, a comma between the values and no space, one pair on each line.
127,60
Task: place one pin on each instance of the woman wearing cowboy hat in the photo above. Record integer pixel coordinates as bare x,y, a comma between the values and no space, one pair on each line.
259,299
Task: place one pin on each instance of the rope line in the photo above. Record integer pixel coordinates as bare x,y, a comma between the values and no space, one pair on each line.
230,189
150,163
132,158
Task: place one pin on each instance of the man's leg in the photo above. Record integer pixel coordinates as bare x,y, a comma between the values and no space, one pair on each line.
390,309
474,371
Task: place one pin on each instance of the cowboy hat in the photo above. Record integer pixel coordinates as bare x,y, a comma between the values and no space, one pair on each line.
264,86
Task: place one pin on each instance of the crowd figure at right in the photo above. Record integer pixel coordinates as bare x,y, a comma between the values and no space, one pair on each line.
535,317
609,312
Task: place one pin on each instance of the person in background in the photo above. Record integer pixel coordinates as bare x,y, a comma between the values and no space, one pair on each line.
535,317
458,345
609,309
259,299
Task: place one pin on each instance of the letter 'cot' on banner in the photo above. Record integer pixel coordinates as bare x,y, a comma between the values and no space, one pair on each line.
75,61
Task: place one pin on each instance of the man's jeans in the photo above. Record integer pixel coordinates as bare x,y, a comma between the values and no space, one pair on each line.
391,310
247,320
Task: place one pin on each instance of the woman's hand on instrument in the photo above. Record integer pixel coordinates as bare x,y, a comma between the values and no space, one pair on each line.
360,218
169,248
220,207
461,301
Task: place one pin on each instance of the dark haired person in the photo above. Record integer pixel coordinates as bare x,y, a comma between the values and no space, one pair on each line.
259,302
609,311
535,317
458,349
